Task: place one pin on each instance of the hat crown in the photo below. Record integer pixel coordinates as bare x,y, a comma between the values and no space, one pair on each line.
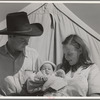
18,22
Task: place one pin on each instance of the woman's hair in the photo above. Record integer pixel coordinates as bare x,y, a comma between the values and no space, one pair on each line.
84,59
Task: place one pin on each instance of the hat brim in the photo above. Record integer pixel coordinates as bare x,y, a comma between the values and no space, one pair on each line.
36,30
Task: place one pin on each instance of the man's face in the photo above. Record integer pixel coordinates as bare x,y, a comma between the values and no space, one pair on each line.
19,42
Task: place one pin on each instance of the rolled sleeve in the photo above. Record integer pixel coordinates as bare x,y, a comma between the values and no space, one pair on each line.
94,80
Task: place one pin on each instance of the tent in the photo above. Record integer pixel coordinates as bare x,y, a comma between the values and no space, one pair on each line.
58,22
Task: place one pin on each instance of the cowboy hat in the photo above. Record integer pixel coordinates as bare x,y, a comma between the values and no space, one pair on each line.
18,24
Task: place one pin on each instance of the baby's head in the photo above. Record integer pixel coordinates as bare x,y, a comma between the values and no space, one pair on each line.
47,68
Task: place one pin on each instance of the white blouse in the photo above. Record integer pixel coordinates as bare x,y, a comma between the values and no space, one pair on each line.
83,82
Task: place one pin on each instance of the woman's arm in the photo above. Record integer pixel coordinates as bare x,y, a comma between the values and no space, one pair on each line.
94,81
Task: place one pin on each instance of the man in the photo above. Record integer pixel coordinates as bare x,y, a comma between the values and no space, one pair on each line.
16,58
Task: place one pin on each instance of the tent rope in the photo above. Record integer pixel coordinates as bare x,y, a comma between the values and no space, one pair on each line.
37,9
76,23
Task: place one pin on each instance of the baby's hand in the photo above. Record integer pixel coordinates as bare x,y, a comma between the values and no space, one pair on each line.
44,78
36,78
40,78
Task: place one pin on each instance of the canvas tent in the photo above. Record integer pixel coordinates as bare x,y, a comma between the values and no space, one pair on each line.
58,22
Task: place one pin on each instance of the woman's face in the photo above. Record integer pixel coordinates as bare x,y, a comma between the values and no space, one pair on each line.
71,54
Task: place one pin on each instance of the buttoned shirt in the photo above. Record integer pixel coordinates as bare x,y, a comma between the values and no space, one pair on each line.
27,62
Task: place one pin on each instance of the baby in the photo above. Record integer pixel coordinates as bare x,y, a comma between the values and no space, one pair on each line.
46,78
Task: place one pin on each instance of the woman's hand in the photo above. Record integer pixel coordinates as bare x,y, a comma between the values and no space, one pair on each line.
60,73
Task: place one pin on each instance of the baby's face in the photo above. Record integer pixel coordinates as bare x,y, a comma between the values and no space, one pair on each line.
47,69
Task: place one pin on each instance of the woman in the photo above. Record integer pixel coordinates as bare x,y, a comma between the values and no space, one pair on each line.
82,75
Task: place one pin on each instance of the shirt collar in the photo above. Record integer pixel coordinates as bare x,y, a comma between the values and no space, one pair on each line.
24,52
3,50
